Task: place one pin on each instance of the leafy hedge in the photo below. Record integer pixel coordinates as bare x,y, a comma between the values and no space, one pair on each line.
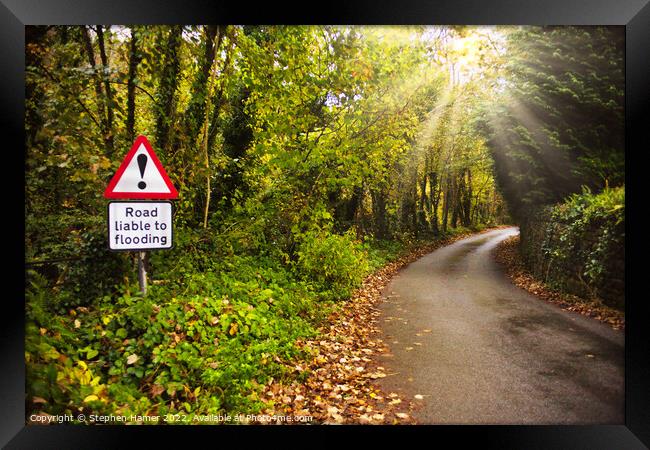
579,245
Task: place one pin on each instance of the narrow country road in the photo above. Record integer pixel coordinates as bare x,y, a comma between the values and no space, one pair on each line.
480,350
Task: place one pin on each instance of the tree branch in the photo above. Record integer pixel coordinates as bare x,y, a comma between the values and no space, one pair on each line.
73,95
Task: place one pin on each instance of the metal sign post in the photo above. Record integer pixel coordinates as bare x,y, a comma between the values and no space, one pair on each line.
142,272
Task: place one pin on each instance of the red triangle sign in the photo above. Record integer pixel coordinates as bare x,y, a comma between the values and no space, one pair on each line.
141,175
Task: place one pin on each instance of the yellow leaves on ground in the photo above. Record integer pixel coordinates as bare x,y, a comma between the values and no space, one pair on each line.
82,375
342,383
233,329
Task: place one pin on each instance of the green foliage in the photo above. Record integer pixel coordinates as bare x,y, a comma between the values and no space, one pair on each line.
60,373
585,238
379,251
558,123
336,262
601,214
205,343
72,254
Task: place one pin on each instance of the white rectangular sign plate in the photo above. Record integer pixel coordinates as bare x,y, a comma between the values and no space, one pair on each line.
140,226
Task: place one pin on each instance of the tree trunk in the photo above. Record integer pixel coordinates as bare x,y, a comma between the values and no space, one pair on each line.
434,200
445,204
455,202
206,120
101,111
379,213
465,197
168,84
468,202
134,60
345,210
408,209
195,111
219,100
421,212
107,87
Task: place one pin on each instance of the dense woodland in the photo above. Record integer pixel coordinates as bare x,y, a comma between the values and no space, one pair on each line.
305,158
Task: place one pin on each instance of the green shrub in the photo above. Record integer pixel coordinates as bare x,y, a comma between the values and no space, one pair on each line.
582,244
603,214
337,263
380,251
71,254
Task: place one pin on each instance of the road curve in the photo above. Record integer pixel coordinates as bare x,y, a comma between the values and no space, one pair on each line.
480,350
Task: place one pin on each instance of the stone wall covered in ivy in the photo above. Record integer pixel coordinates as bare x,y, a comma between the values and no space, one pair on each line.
579,246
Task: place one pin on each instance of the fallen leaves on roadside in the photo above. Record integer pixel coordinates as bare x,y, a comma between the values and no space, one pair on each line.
341,383
507,255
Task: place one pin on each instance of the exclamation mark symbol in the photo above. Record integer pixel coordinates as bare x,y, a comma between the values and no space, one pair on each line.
142,163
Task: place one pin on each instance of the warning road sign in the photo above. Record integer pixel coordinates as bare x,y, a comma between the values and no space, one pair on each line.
140,226
141,175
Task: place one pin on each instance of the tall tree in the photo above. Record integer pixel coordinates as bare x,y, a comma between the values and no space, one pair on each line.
100,96
165,114
134,60
194,114
108,92
559,124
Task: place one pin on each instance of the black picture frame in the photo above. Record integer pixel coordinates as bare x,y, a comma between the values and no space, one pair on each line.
634,15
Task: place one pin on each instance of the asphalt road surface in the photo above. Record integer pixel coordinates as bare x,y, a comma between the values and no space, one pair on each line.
480,350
